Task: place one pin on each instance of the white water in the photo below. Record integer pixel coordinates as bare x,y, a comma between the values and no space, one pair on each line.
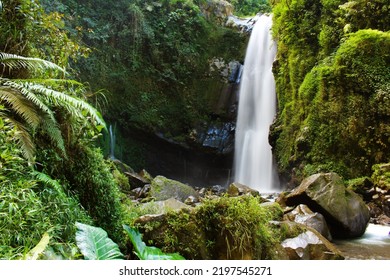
374,244
112,143
256,111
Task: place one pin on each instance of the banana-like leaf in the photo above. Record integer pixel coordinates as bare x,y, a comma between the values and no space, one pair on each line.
94,243
144,252
35,252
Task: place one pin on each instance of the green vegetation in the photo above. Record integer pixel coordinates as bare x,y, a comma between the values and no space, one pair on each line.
152,61
333,84
220,228
250,7
144,252
148,68
94,243
47,120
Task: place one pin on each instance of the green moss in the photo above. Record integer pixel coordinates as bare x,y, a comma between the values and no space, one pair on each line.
221,228
332,79
381,175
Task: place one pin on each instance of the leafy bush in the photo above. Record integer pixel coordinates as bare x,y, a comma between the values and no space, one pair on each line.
31,205
90,178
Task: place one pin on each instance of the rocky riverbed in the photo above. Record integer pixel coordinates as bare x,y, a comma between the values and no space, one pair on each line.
320,219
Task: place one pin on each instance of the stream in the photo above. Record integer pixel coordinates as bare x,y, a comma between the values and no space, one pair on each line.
373,245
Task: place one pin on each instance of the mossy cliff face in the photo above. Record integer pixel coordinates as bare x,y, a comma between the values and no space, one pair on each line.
333,86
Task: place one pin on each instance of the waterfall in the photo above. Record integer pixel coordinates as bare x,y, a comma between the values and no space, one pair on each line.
112,143
256,111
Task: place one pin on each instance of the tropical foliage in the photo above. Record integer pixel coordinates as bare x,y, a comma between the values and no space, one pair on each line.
94,243
333,85
144,252
30,104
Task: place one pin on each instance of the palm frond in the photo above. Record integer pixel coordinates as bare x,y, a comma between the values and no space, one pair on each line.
13,61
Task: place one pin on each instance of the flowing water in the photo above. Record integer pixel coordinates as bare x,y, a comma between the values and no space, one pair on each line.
112,142
257,108
374,244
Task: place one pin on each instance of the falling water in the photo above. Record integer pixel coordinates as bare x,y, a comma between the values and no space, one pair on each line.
112,143
257,107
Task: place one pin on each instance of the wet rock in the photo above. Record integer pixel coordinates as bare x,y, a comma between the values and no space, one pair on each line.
236,189
140,192
218,189
121,166
311,245
162,207
191,200
345,212
145,175
136,180
303,215
162,188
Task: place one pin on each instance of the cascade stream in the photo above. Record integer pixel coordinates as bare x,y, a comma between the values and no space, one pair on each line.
256,111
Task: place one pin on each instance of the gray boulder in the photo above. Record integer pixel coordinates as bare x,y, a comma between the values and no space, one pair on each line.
345,212
303,215
162,188
310,245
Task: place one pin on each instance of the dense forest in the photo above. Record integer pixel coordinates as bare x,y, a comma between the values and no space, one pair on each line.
70,69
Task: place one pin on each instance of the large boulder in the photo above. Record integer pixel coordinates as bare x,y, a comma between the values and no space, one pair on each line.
236,189
345,212
303,215
162,188
136,180
309,245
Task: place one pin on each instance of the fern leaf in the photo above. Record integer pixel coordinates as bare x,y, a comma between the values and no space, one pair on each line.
50,182
20,105
23,138
13,61
24,90
50,127
61,99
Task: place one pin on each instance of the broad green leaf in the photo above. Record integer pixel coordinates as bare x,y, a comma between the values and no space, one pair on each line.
35,252
144,252
94,243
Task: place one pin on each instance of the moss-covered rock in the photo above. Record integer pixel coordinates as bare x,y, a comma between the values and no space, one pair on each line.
162,188
220,228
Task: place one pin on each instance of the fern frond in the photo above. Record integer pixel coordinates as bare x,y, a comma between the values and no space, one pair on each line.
20,105
61,99
23,138
44,178
13,61
23,89
54,82
51,129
